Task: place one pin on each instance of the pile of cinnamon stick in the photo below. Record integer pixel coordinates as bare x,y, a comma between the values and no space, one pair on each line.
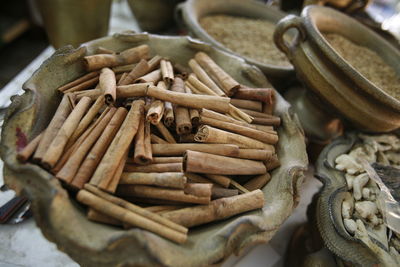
187,145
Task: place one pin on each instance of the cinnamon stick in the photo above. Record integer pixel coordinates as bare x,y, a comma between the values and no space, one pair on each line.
167,71
87,119
165,133
223,79
272,162
126,216
156,110
96,216
144,191
123,68
255,154
275,121
265,95
28,150
167,159
198,189
139,70
70,168
57,145
165,179
52,129
142,144
113,184
247,104
243,130
132,90
169,116
218,116
203,77
201,87
108,84
219,104
91,161
196,178
182,118
257,182
162,208
222,180
152,77
200,162
128,56
120,144
217,210
83,85
194,114
78,81
92,94
208,134
179,149
156,167
219,192
157,140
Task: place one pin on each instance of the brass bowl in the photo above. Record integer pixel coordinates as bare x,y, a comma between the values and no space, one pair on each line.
63,221
193,10
341,88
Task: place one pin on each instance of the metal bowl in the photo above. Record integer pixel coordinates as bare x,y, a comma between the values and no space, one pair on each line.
193,10
341,88
63,221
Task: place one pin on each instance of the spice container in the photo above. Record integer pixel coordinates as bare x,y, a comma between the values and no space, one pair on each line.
243,28
342,89
94,244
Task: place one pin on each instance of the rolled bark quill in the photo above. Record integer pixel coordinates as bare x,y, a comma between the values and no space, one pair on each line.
132,90
128,56
139,70
113,184
193,113
200,162
120,144
203,77
169,116
243,130
224,80
156,167
247,104
167,159
165,133
126,216
257,182
152,77
204,89
166,179
70,168
157,140
162,208
219,192
96,216
80,80
57,145
108,84
196,178
156,110
255,154
93,158
167,71
28,150
219,104
272,162
87,119
265,95
219,179
52,129
123,68
198,189
179,149
144,191
208,134
182,117
217,210
82,86
92,94
257,114
274,121
142,154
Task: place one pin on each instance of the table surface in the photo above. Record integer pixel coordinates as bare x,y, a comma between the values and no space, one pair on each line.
24,245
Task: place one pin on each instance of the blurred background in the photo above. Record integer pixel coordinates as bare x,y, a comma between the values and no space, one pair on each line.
27,27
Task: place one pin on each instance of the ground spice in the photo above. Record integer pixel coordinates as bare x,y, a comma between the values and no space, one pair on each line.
251,38
368,63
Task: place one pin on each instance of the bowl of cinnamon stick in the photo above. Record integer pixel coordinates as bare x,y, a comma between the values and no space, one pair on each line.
140,149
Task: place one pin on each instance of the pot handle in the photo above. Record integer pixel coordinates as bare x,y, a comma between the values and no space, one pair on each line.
288,22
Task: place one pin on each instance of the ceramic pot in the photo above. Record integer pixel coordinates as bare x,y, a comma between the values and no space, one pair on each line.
193,10
63,221
341,88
